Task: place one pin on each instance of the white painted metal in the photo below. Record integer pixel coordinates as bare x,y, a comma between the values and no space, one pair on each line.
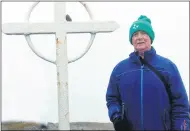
62,71
60,28
29,41
53,61
51,28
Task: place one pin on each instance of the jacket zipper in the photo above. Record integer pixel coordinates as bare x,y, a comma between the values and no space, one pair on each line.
142,124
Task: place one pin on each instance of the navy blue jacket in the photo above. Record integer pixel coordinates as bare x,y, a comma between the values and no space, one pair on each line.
134,92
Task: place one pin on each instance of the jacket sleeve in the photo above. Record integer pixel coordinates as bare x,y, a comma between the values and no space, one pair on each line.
180,106
113,99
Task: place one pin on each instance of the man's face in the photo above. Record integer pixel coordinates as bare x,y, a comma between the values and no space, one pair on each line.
141,41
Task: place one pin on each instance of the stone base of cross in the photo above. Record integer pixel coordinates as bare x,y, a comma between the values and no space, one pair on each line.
60,27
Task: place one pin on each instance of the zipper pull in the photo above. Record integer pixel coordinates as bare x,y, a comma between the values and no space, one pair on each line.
142,66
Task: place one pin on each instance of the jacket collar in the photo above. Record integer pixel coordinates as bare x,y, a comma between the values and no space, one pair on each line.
148,55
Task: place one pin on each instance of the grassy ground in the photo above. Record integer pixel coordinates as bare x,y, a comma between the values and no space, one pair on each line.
13,125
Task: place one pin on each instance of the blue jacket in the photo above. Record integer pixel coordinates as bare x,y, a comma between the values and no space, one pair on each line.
136,93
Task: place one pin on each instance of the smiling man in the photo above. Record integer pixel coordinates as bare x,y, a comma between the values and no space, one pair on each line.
145,91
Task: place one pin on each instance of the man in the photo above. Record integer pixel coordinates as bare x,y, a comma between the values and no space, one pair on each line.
137,99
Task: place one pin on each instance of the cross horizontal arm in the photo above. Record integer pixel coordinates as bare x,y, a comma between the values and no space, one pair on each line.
52,28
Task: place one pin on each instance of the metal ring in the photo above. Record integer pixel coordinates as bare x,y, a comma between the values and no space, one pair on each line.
28,39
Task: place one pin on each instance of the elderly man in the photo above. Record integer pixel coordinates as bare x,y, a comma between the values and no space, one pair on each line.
145,91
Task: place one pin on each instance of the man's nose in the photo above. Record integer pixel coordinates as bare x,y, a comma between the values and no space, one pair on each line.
139,36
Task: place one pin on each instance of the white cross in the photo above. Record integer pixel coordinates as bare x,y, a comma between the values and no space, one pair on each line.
60,28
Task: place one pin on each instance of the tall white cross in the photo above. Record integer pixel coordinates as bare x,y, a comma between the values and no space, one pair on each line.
60,27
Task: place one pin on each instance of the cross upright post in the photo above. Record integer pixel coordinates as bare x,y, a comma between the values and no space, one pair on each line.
62,71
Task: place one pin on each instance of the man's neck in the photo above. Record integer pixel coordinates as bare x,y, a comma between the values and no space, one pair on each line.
142,57
141,54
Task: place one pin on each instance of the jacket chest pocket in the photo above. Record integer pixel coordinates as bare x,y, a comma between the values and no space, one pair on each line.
129,78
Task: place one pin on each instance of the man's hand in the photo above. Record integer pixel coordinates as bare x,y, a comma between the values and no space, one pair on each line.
122,125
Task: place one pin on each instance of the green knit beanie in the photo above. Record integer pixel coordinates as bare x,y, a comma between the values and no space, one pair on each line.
142,24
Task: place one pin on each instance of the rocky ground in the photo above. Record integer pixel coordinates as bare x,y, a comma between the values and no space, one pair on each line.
11,125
